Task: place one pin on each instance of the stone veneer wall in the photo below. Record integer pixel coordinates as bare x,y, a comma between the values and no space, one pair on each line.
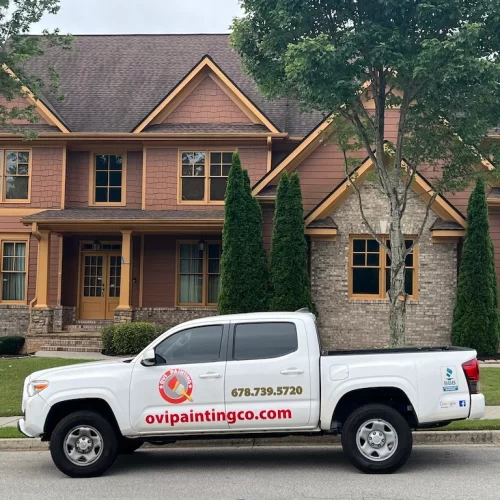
14,320
170,317
355,324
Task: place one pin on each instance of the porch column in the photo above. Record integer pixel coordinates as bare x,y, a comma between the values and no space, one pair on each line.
125,292
43,270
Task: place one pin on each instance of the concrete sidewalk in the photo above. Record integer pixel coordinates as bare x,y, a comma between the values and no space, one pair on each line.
91,356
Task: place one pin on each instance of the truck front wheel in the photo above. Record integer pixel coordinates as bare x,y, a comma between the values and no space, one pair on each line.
377,439
84,444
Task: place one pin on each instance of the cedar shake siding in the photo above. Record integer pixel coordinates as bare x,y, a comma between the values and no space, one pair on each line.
159,270
45,178
19,103
134,179
208,103
77,179
162,172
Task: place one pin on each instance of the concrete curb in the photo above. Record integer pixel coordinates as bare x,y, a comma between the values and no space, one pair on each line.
419,438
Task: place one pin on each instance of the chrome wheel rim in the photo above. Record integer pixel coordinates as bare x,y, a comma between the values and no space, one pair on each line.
83,445
377,440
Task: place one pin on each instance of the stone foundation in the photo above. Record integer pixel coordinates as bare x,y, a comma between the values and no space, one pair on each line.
170,317
14,320
42,321
63,316
124,316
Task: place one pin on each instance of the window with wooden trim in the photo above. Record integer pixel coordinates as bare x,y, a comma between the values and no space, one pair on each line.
198,280
203,176
108,179
16,175
14,271
370,269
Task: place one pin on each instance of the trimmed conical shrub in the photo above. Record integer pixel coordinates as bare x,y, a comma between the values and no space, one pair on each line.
244,278
475,320
289,277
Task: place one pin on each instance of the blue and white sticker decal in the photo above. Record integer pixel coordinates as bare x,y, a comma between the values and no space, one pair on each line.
448,378
462,403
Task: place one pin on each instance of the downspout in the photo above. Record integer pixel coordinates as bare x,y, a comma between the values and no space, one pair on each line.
38,236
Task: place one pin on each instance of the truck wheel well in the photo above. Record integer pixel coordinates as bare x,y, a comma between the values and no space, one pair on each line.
391,396
64,408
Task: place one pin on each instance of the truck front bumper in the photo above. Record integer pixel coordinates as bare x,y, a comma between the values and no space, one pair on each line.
477,406
35,414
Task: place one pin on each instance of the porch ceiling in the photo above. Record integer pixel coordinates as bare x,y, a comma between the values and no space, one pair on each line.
117,219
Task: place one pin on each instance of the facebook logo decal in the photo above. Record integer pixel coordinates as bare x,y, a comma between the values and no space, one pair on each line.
462,403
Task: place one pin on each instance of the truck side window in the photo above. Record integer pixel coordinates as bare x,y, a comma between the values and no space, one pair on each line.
196,345
264,340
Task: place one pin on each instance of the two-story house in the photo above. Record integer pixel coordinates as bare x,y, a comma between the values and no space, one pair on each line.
115,211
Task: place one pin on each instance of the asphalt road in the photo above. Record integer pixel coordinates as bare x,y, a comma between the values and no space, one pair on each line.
451,472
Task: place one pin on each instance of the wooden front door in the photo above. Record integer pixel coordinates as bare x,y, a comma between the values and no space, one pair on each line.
100,285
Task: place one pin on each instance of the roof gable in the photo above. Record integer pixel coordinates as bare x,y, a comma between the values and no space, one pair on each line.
44,112
441,206
206,78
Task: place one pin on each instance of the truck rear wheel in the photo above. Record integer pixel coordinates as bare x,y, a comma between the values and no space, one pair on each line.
84,444
377,439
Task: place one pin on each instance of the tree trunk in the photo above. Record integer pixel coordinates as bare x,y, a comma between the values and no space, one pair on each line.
396,293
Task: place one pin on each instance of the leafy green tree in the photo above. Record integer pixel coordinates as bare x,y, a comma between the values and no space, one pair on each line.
16,19
436,61
244,278
290,289
476,320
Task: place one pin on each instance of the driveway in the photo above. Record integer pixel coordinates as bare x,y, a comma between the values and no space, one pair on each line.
451,472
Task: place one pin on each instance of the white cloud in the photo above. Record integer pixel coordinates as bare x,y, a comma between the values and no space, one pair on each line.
142,16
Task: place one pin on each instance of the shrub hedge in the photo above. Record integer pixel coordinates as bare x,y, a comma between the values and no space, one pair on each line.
128,338
11,345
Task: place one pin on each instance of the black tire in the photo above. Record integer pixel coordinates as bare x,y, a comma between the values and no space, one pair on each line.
128,446
376,465
108,450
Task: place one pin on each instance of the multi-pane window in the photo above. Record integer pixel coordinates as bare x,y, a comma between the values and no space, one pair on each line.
220,164
193,176
108,178
204,175
370,269
16,175
13,271
199,273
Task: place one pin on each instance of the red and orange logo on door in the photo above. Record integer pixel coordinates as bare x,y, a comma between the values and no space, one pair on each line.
176,386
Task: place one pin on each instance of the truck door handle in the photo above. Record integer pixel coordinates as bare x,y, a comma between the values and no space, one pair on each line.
210,375
292,371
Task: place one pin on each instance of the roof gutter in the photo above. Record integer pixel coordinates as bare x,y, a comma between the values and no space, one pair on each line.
149,136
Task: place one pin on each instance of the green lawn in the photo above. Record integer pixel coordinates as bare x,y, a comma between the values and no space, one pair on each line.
12,375
470,425
10,432
490,385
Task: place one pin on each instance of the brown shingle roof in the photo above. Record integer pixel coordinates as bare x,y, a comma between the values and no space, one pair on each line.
326,223
445,225
118,214
111,82
207,128
494,193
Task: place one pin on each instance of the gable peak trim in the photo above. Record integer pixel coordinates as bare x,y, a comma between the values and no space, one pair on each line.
226,84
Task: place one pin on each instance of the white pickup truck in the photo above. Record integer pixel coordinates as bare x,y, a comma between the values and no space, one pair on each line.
249,375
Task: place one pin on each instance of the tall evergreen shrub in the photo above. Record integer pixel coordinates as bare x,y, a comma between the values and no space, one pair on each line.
475,319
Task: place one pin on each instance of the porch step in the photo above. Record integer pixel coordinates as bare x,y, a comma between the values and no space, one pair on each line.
71,342
87,325
69,349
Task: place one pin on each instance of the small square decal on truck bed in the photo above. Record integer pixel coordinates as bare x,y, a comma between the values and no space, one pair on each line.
448,377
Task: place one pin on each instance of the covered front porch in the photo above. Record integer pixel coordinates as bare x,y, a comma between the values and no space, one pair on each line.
125,265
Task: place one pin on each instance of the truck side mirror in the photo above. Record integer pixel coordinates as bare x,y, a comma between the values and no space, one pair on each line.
149,358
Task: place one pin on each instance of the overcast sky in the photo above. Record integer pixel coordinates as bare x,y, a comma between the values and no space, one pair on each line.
142,16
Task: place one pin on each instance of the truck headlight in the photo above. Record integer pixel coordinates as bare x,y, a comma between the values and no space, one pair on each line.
37,386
